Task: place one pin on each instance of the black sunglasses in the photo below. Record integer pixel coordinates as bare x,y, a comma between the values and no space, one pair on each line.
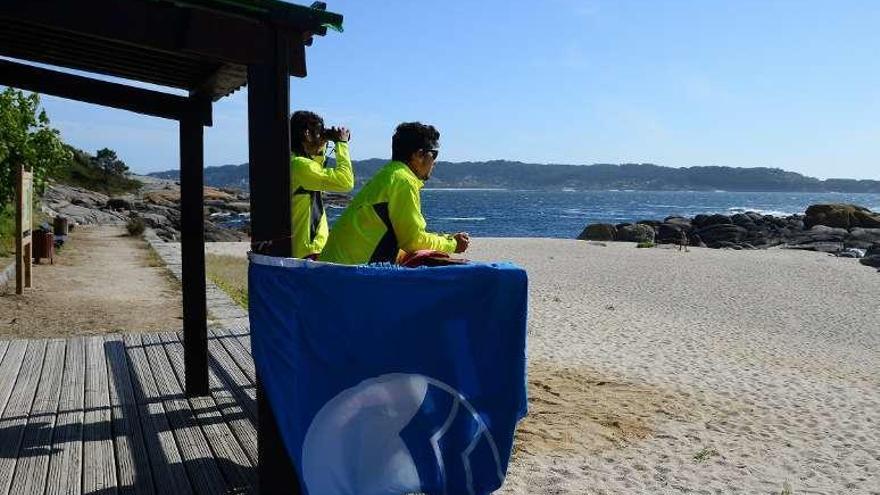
433,152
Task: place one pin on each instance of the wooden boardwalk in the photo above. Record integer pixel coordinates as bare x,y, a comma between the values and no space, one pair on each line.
107,415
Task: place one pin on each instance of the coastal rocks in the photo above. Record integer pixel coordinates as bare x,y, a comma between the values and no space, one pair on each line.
841,216
670,233
635,233
752,230
157,204
872,256
715,234
599,232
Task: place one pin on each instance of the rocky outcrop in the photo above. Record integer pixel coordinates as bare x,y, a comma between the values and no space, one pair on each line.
841,216
157,204
635,233
845,230
599,232
872,256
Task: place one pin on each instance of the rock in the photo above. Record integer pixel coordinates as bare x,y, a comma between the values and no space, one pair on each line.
743,220
635,233
842,216
684,222
63,194
87,216
155,221
215,233
715,234
712,220
871,261
726,245
860,238
598,232
668,233
117,204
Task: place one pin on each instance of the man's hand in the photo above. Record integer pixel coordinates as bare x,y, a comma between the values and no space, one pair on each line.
462,241
344,134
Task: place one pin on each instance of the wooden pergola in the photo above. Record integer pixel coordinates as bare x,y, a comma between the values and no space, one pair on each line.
210,49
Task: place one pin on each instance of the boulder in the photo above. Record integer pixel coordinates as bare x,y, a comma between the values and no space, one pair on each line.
715,234
117,204
598,232
842,216
871,261
860,238
684,222
635,233
716,219
670,233
743,220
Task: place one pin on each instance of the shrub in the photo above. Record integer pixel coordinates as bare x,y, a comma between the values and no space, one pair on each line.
135,226
645,244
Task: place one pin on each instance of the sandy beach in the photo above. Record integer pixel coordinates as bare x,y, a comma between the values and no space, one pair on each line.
709,371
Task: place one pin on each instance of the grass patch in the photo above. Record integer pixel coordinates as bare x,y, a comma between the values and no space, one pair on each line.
229,273
705,454
153,258
645,244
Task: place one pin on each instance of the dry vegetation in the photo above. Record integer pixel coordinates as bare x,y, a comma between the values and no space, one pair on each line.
230,274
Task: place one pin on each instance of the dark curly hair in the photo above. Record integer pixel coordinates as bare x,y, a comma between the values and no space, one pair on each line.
300,122
411,137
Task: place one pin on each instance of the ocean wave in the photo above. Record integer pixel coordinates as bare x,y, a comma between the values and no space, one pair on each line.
463,219
775,213
464,189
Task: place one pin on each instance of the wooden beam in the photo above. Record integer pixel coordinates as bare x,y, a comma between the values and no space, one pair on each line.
138,100
192,223
269,142
157,25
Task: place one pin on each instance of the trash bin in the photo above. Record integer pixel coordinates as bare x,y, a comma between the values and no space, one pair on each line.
60,225
43,246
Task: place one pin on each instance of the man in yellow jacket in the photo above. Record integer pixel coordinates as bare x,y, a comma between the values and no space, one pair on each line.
385,217
309,179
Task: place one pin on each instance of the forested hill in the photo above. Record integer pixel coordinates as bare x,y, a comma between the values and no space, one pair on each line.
646,177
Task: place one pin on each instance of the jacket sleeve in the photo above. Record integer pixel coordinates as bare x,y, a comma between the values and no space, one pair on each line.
313,176
405,210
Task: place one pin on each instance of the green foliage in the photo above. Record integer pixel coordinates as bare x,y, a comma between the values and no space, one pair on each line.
26,138
103,172
645,244
7,231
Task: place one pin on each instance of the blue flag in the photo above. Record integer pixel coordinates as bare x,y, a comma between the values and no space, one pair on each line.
385,380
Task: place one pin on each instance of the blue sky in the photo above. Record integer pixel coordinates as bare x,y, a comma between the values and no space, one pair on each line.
789,84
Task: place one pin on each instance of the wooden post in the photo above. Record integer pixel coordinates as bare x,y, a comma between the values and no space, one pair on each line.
24,197
269,142
192,234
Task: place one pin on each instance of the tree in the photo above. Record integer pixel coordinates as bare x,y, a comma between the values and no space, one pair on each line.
26,138
107,161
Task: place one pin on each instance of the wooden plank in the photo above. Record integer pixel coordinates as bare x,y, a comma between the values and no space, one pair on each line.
232,377
33,457
239,353
217,424
9,366
132,459
14,418
99,460
169,474
204,474
65,462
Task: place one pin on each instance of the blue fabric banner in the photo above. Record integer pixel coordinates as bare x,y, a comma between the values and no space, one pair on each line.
386,380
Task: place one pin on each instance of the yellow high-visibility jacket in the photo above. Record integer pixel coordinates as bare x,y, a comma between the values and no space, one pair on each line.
308,178
384,218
